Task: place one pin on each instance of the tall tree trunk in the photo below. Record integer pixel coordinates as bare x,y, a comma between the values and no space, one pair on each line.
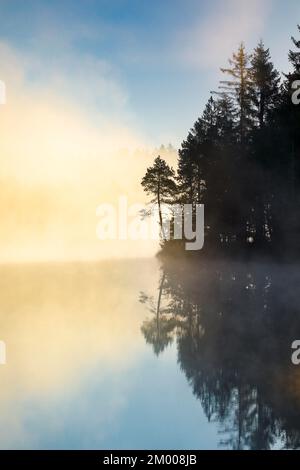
159,212
262,110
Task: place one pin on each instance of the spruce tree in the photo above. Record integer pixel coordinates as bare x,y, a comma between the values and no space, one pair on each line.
294,56
265,84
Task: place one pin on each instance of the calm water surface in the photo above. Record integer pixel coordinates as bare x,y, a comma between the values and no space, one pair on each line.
142,354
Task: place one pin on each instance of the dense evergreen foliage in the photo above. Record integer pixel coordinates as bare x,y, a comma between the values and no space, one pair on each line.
241,159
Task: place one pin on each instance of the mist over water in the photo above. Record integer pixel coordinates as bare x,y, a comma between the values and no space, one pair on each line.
60,160
95,350
132,342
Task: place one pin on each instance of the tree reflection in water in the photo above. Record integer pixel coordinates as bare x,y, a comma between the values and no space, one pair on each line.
234,325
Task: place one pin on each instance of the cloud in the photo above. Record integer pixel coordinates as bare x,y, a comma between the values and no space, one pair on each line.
208,41
66,144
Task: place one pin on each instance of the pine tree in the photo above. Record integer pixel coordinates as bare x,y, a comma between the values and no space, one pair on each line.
239,89
159,181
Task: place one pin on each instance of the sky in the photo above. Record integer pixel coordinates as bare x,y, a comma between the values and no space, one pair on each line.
152,64
93,87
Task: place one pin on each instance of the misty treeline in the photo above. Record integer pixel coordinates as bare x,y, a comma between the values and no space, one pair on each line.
241,159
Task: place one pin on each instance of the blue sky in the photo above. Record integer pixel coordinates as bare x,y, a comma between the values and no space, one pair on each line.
159,59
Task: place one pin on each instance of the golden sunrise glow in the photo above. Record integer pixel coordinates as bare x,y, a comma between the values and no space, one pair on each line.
58,163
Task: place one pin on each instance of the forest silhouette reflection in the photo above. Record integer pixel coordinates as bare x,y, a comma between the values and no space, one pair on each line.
233,325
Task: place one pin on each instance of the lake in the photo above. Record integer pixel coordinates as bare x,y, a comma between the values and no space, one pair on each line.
145,354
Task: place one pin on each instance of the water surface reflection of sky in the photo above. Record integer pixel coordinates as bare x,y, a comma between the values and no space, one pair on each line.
79,374
137,354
